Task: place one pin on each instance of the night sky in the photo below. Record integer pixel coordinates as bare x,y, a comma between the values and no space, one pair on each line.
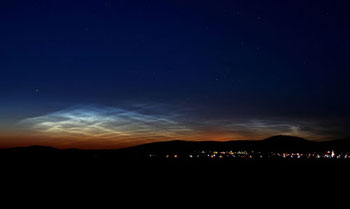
110,74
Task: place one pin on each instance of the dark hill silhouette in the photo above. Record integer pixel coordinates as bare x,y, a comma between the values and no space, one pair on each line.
285,139
130,164
278,143
287,144
179,146
273,144
342,145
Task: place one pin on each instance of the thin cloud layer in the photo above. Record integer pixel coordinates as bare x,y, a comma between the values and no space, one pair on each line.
106,123
104,126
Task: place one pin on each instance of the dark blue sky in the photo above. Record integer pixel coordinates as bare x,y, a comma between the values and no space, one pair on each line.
222,62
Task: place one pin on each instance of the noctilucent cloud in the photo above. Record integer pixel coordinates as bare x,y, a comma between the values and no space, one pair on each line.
111,74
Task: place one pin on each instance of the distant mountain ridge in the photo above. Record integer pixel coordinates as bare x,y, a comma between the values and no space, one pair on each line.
274,143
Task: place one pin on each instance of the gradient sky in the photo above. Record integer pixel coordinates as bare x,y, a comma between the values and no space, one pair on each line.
110,74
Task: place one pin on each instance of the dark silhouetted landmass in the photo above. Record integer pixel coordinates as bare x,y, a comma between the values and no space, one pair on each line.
281,149
273,144
225,162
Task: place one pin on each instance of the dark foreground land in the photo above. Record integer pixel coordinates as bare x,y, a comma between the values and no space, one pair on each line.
172,161
150,165
197,175
84,173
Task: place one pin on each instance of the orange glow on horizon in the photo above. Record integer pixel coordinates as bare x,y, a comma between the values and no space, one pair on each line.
65,142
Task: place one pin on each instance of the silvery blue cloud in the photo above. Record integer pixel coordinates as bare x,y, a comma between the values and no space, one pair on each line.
146,123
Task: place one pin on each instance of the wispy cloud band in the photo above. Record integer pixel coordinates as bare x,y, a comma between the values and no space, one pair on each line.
121,127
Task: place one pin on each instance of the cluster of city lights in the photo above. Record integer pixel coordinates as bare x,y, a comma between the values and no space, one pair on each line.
256,155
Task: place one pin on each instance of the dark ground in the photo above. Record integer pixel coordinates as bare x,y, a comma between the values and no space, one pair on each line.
106,173
176,180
